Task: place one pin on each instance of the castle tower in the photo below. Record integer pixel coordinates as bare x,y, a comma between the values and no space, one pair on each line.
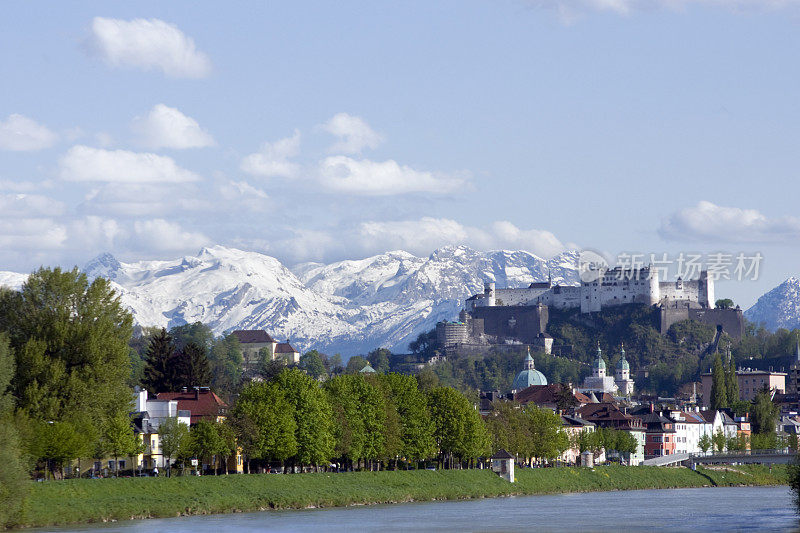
489,293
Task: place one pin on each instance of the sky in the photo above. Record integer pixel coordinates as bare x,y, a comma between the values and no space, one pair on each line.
322,131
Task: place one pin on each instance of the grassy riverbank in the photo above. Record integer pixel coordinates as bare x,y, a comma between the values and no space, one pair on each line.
75,501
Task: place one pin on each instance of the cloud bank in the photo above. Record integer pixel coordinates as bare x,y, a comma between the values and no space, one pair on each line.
18,133
166,127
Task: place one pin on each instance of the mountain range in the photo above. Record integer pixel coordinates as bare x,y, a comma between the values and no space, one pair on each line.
350,306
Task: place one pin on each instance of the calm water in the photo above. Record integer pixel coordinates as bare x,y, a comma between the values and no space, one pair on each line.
716,509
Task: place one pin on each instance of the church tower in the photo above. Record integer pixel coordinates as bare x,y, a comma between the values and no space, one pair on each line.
599,367
622,375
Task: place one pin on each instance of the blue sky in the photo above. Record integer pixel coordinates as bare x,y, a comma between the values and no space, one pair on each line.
324,131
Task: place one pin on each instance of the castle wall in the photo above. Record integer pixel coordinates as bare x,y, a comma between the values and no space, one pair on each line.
521,296
731,320
522,323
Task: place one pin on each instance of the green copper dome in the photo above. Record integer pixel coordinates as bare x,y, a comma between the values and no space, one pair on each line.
599,363
529,376
623,364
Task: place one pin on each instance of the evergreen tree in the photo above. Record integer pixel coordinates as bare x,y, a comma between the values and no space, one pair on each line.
719,394
732,383
192,368
764,414
159,362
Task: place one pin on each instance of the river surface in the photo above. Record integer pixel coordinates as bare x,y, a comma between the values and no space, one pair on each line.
709,509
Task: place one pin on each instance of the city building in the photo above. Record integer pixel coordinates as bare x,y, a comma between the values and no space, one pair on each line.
750,382
660,435
599,382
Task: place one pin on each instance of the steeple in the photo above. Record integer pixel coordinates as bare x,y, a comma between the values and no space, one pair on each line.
529,365
599,364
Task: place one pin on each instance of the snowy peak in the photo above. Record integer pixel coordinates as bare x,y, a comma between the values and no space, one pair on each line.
103,266
779,308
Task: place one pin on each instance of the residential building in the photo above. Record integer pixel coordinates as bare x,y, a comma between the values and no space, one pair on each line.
659,435
574,426
252,342
750,382
285,351
200,402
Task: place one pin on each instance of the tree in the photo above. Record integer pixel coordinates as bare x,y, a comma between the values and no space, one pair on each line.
269,368
355,364
173,436
70,338
58,443
380,360
118,438
192,368
724,303
159,361
313,417
416,427
227,443
732,384
705,442
264,420
197,333
548,439
226,362
719,395
14,483
792,442
719,441
311,362
765,413
206,441
459,430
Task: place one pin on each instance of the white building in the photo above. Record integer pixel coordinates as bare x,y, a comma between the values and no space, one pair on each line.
150,414
599,382
689,428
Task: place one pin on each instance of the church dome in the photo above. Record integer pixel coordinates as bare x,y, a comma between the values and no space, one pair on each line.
529,376
623,364
599,363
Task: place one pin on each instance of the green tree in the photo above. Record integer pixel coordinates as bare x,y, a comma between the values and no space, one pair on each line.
719,441
764,414
724,303
228,443
70,338
206,442
58,444
732,384
548,439
196,333
265,422
355,364
173,436
313,417
118,438
380,360
719,394
14,482
705,442
312,362
459,431
416,427
159,361
226,362
192,368
269,368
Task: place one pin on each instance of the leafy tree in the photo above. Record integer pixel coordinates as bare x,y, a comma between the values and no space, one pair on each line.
173,435
118,438
159,361
197,333
705,442
724,303
335,365
227,444
416,427
192,368
355,364
719,441
459,430
313,417
792,442
765,413
548,439
425,344
312,362
427,380
379,359
265,423
70,338
226,362
269,368
719,395
58,443
206,441
13,479
509,429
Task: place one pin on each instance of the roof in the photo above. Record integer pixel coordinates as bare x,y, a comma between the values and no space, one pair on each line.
502,454
285,347
252,336
526,378
368,370
574,421
202,404
544,395
657,423
607,414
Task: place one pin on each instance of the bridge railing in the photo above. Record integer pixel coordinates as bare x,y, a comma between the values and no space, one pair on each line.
741,453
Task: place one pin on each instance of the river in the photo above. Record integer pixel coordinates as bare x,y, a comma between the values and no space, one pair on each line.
710,509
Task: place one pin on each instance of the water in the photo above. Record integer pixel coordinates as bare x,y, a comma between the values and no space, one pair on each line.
710,509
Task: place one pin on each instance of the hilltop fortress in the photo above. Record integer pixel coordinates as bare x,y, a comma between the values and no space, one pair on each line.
520,315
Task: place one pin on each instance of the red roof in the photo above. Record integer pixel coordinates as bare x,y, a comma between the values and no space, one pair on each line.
202,404
252,336
285,347
545,395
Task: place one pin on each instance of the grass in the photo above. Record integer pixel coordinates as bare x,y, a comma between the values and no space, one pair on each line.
95,500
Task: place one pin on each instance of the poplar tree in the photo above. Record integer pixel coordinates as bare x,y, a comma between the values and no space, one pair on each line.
732,383
719,395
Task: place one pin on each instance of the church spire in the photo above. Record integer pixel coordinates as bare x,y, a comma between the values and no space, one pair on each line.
529,365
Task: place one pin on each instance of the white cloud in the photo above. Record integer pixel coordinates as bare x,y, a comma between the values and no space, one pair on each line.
353,132
148,44
418,236
166,127
568,10
94,234
382,178
31,234
273,160
18,133
160,235
83,163
24,186
143,200
708,222
28,205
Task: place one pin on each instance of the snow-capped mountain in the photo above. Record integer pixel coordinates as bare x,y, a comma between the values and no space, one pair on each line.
349,306
779,308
